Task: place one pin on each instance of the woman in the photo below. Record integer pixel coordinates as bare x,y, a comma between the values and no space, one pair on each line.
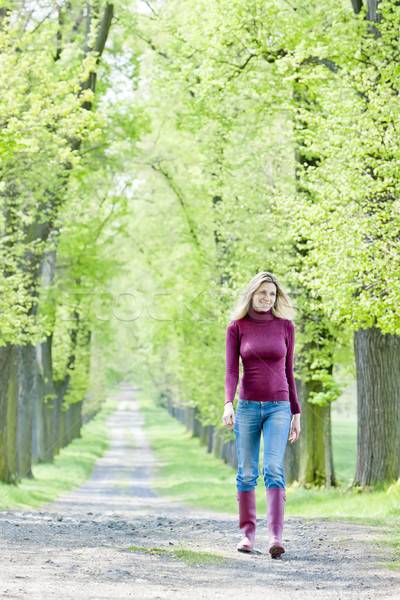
261,332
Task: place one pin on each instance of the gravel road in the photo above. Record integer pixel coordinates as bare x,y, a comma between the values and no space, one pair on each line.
115,538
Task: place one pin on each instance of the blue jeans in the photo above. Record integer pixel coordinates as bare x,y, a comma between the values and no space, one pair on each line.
273,419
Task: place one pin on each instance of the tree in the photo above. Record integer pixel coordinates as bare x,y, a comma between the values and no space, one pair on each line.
54,93
353,223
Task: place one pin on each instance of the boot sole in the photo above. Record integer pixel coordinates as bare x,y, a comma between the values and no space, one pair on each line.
276,551
244,549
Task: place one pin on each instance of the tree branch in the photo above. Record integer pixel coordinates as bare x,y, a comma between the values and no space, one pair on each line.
179,195
98,48
357,6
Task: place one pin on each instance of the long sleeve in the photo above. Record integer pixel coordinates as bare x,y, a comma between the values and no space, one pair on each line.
232,361
294,403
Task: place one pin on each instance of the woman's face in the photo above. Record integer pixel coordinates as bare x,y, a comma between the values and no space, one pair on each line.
264,296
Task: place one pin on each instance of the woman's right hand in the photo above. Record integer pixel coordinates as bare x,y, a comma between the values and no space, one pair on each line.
228,418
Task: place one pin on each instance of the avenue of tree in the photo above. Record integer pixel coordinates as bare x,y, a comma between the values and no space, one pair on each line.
155,156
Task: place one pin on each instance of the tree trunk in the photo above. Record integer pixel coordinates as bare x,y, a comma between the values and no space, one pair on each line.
42,429
76,419
8,415
291,461
49,401
58,426
38,426
316,457
378,396
190,417
203,434
5,368
210,438
73,419
43,434
27,399
63,429
217,443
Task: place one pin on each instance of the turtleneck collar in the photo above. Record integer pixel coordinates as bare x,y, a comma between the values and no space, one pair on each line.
256,316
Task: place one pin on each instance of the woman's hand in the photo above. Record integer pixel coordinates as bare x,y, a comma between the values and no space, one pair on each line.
294,428
228,418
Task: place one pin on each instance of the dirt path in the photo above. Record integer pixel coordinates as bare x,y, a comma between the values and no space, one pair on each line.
78,547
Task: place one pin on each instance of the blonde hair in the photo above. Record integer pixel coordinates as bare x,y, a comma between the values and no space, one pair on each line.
282,308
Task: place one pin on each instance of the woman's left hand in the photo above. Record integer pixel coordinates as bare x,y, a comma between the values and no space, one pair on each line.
294,428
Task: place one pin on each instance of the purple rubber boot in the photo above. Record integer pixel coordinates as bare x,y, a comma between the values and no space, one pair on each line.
247,519
275,507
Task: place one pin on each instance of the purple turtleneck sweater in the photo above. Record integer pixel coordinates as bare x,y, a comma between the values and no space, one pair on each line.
265,344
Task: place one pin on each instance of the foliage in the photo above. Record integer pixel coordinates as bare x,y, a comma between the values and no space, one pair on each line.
232,90
41,111
224,139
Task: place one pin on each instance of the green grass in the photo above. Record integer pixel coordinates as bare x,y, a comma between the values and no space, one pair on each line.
70,469
189,474
344,443
190,557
